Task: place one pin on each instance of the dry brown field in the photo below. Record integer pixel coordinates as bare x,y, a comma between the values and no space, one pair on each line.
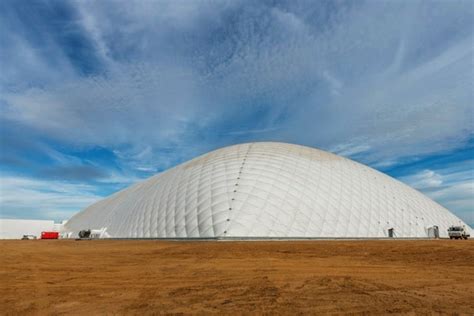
136,277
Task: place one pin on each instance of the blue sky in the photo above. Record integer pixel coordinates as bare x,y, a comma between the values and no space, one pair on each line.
96,95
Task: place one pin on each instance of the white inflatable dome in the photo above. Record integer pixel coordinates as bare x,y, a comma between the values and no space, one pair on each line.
266,190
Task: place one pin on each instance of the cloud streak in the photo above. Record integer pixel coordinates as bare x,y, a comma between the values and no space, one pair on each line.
32,198
453,187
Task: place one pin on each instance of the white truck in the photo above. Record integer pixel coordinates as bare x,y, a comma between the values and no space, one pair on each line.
458,232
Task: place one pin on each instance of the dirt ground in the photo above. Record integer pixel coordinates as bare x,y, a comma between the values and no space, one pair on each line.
266,277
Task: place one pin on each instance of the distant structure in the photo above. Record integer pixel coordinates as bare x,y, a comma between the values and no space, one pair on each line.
267,190
17,228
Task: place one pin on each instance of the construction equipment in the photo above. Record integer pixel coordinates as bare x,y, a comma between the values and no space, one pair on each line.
86,233
93,233
49,235
458,232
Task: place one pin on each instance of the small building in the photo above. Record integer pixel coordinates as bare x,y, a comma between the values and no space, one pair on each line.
16,228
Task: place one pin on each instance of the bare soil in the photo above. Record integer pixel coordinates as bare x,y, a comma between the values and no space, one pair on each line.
266,277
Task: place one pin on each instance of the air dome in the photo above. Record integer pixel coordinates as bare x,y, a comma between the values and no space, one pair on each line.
266,190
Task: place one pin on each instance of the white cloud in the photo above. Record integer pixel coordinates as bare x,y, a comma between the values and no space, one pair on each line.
425,179
43,199
458,198
452,187
381,72
350,149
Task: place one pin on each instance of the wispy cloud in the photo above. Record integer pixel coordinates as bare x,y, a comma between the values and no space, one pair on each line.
453,187
43,199
426,179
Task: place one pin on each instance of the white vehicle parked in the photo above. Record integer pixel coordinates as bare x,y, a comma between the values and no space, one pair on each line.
458,232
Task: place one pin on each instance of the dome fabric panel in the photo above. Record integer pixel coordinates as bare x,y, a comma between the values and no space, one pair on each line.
266,190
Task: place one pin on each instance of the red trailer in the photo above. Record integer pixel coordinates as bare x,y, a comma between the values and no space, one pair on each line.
49,235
